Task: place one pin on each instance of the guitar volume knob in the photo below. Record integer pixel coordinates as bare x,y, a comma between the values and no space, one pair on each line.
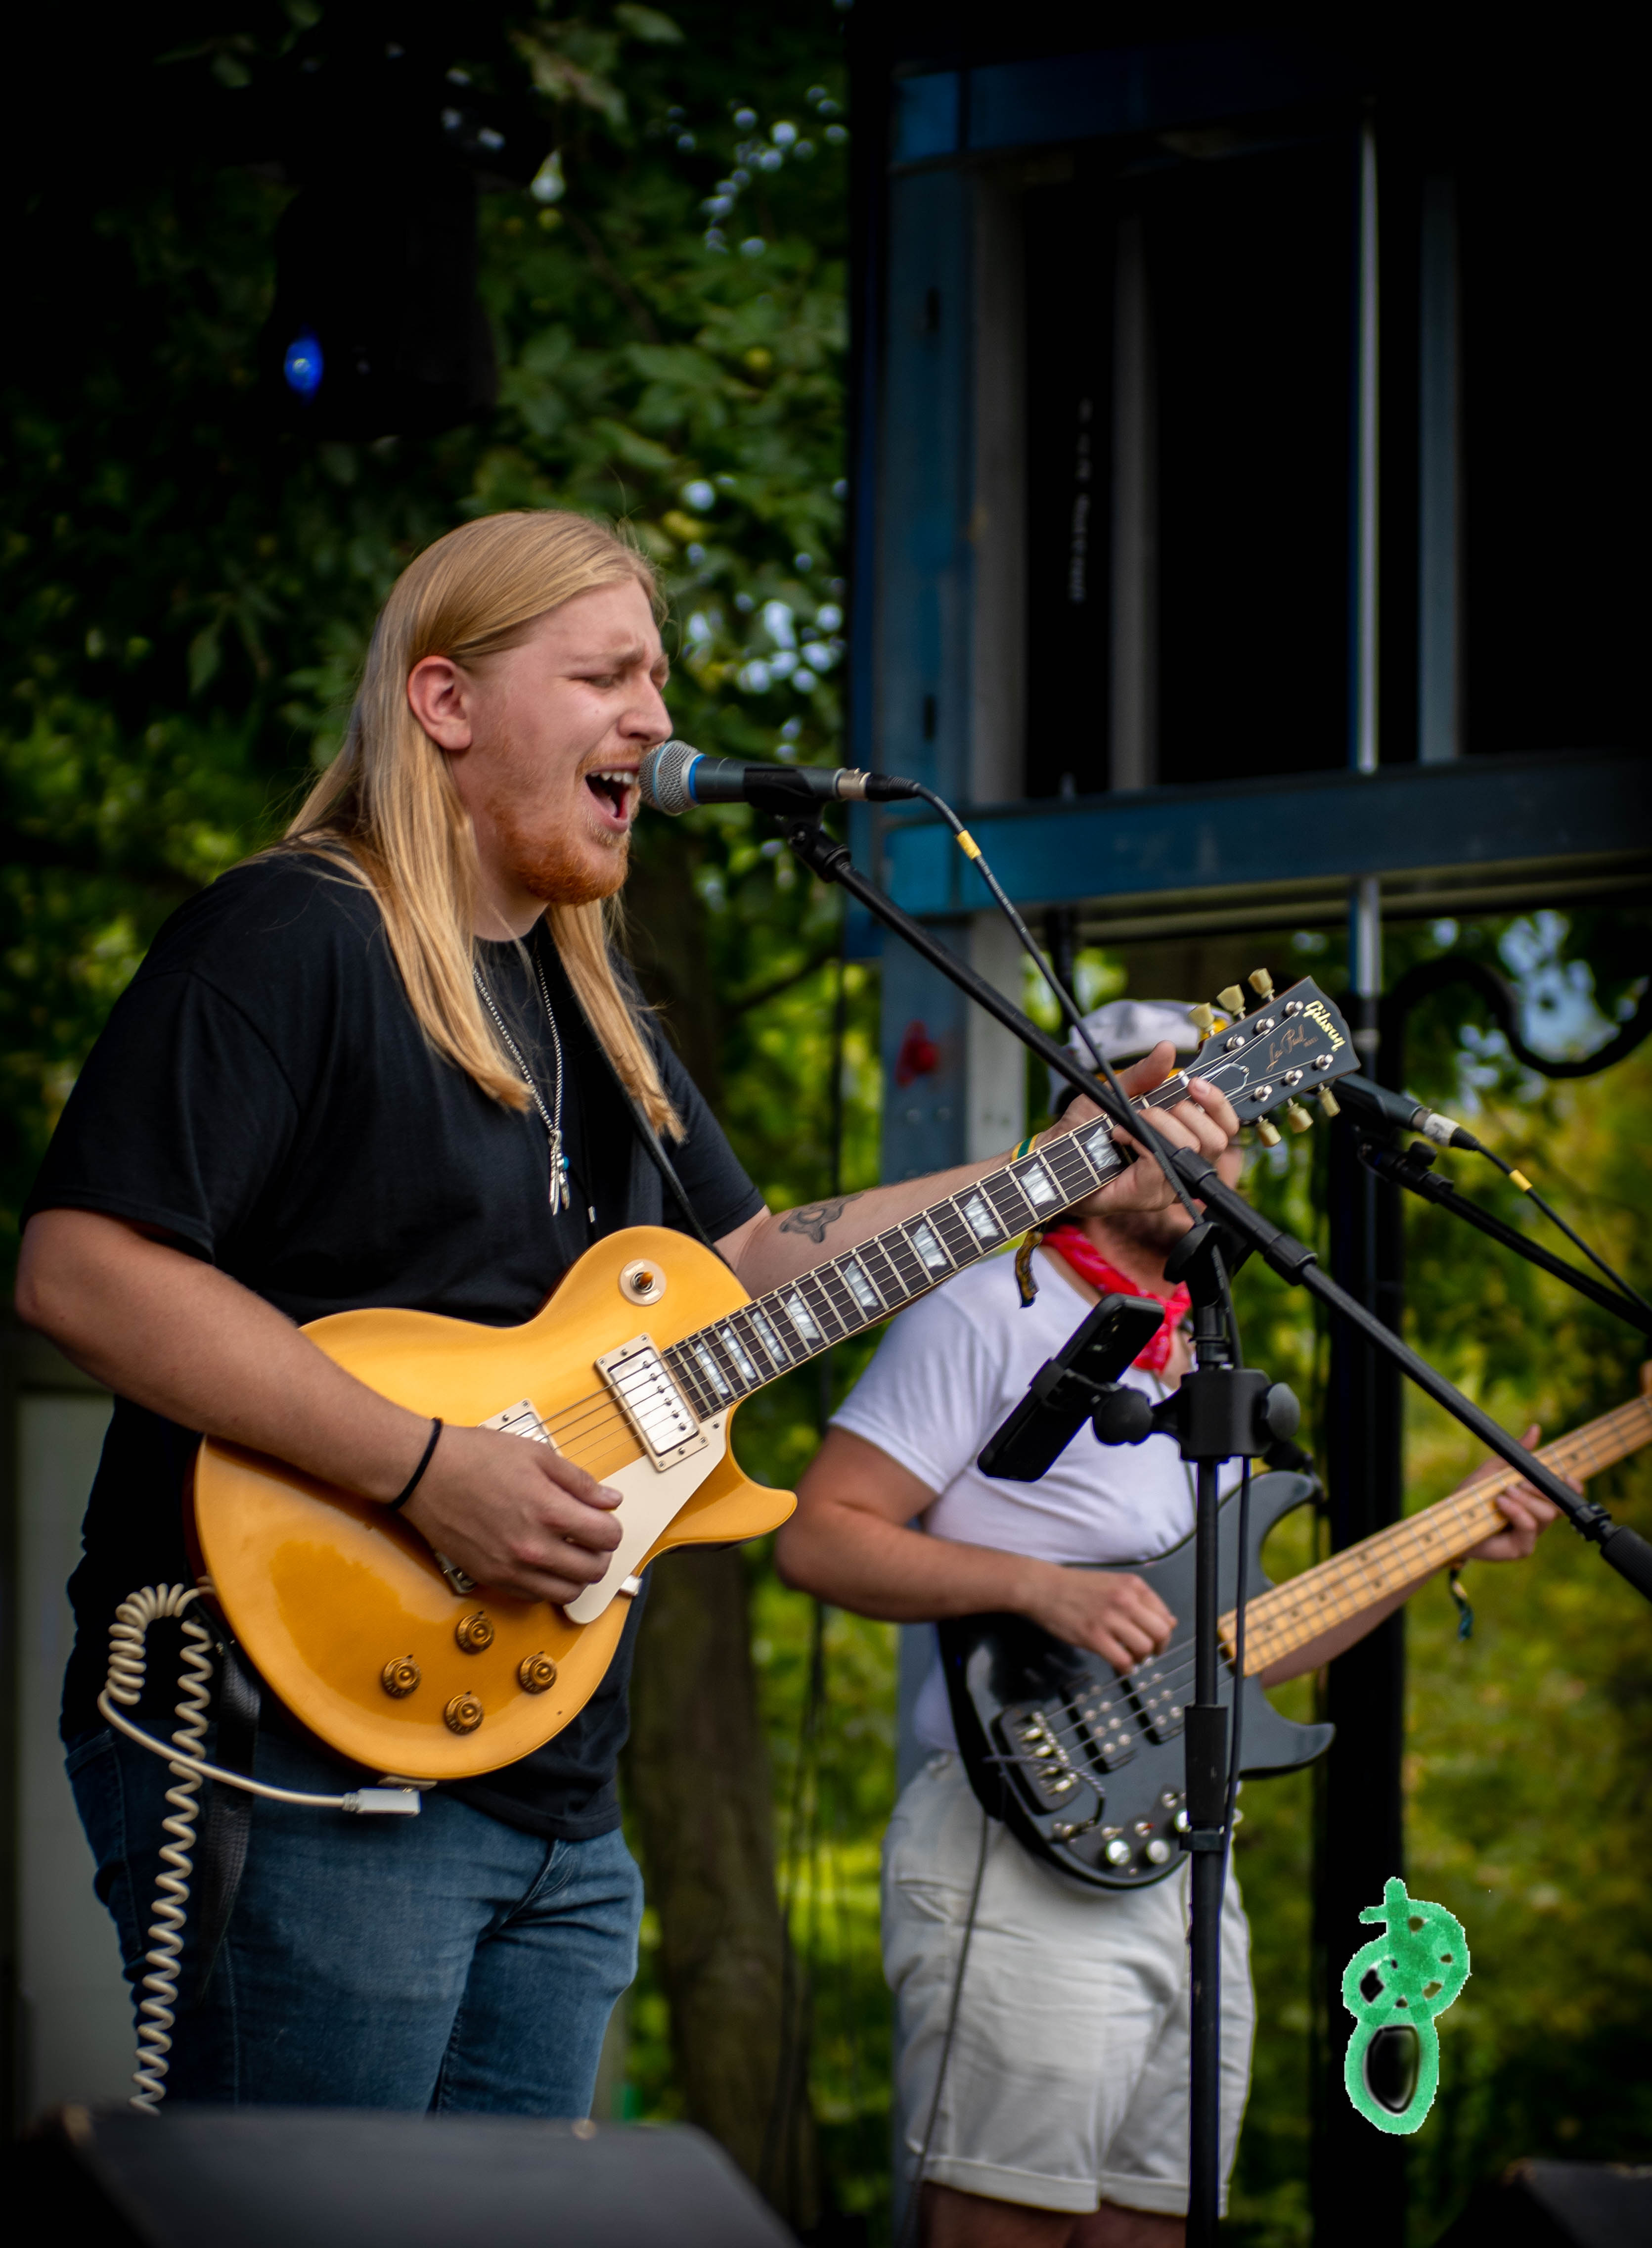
1117,1852
463,1714
536,1674
1159,1851
473,1633
400,1677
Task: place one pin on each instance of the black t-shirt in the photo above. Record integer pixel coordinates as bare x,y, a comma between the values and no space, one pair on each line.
263,1092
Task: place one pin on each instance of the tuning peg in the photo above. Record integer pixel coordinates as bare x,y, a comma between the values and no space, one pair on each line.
1232,1000
1267,1132
1297,1117
1261,982
1203,1018
1329,1102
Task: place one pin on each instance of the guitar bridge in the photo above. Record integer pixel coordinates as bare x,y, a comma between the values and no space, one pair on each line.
1037,1756
521,1419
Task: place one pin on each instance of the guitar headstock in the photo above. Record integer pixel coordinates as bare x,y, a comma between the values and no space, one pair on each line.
1290,1045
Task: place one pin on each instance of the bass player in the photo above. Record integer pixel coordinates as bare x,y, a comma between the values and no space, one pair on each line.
1061,2121
395,1062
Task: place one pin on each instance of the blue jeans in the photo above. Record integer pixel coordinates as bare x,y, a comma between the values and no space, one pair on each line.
442,1962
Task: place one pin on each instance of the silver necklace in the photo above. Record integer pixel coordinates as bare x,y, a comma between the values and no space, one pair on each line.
551,1119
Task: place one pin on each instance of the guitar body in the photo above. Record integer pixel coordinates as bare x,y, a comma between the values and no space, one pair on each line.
1085,1766
330,1594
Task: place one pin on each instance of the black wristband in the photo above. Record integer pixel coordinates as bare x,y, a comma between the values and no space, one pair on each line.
416,1478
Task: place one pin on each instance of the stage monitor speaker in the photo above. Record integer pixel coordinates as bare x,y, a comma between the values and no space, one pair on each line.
276,2178
1539,2205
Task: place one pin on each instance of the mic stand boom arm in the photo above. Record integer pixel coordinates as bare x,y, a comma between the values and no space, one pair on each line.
830,859
1409,1167
1625,1549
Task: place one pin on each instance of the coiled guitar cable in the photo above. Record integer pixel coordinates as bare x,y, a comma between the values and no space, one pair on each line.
124,1686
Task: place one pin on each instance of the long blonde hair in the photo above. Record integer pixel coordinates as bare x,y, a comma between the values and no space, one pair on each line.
387,811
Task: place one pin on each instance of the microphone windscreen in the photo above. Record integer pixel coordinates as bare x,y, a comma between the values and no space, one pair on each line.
662,777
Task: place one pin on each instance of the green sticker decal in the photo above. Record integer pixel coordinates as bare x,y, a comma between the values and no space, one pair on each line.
1421,1965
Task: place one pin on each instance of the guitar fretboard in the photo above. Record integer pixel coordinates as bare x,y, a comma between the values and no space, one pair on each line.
1289,1617
793,1323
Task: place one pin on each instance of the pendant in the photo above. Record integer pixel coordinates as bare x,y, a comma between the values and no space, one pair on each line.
558,1174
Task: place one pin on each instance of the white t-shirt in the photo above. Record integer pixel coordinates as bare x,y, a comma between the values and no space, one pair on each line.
947,1372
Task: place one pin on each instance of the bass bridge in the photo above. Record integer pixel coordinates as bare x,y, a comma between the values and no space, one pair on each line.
1058,1752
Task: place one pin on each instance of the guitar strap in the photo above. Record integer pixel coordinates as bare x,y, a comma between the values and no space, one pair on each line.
664,1164
222,1855
646,1134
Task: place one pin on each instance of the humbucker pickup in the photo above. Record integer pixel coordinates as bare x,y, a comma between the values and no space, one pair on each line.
659,1413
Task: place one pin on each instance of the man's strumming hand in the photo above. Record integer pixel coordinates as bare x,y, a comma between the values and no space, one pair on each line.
515,1515
1117,1617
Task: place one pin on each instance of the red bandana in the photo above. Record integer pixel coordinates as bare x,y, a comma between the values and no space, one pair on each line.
1088,1262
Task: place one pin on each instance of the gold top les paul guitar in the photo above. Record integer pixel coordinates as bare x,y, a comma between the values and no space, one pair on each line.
634,1369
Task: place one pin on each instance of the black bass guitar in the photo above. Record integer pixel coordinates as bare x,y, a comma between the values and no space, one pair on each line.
1084,1763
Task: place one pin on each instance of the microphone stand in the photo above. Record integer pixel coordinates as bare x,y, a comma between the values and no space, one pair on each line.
1221,1412
1410,1168
1224,1415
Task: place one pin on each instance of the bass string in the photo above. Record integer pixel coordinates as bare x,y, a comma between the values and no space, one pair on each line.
1172,1674
1124,1705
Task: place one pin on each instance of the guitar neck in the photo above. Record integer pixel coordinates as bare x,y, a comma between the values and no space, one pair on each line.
1293,1614
793,1323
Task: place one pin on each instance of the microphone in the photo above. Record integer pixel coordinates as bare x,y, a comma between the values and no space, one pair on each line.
675,777
1405,1115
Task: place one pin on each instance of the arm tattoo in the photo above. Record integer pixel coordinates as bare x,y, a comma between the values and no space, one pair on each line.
813,1219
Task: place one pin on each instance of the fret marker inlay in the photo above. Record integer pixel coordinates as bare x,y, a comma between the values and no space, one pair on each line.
865,1295
927,1247
1036,1183
981,1219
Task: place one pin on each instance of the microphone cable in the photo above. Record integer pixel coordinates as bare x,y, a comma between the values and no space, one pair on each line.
1064,999
1520,1179
1403,1112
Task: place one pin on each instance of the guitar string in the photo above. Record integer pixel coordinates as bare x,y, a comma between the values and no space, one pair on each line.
594,1400
1567,1453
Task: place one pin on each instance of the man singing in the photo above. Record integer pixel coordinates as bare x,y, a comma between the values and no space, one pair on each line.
1062,2116
393,1062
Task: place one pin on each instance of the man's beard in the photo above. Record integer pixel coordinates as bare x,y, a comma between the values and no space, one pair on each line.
548,866
1156,1230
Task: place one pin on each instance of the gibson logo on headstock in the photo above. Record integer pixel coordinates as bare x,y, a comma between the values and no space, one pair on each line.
1317,1012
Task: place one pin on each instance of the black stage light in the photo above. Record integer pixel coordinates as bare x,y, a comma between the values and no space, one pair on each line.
376,329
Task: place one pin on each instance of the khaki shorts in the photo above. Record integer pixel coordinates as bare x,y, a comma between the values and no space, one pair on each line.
1067,2085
